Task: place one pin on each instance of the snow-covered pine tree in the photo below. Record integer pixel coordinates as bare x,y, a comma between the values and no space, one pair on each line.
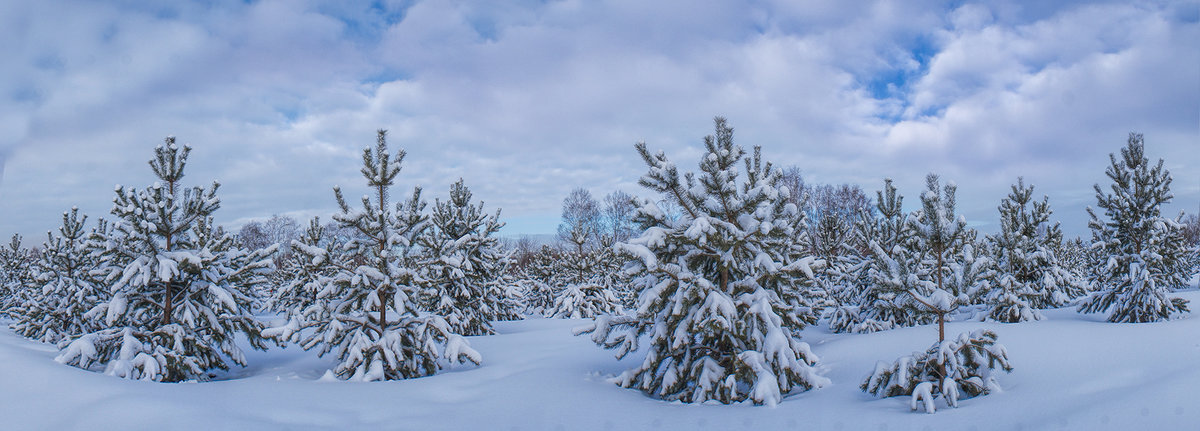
830,236
538,279
891,270
948,272
466,264
1031,275
181,292
851,275
304,270
575,265
974,273
511,305
940,237
584,301
1075,256
16,276
610,272
367,313
65,290
590,280
1143,252
829,239
724,289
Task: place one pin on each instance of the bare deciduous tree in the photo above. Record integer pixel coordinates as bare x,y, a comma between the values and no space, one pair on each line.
619,208
581,221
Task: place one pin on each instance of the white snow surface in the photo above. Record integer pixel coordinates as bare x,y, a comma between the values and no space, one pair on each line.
1072,371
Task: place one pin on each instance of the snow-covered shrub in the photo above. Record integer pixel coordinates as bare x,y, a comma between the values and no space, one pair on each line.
959,366
1031,275
609,272
584,301
511,304
65,291
465,264
1144,255
537,281
366,312
849,318
887,272
181,289
16,276
303,270
943,278
724,288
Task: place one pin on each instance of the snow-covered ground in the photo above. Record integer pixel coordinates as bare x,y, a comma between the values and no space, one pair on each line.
1071,371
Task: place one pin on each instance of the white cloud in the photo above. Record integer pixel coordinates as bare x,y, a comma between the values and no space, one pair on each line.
527,102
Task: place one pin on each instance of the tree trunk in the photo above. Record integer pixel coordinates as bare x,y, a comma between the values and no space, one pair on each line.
167,293
382,293
382,313
941,313
941,327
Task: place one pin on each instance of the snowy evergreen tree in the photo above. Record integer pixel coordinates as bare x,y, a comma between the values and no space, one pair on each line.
947,273
16,276
830,236
584,301
724,288
1076,256
939,235
844,277
181,291
576,265
466,264
65,290
1144,253
973,272
538,280
885,274
589,281
511,304
1031,273
367,314
305,270
610,272
968,361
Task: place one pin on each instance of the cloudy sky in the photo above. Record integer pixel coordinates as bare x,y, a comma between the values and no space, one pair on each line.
529,100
